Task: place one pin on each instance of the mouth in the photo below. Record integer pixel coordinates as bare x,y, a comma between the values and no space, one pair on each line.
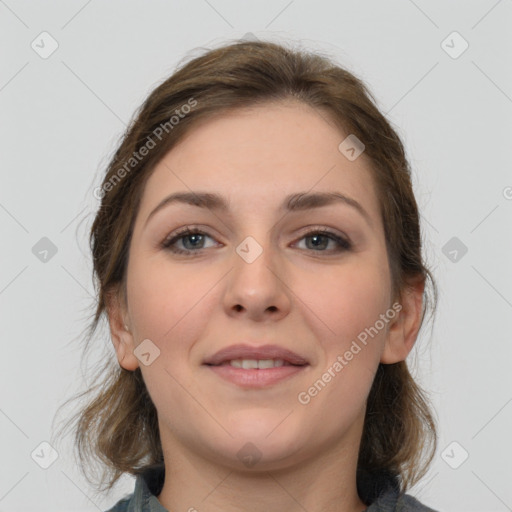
249,353
256,364
252,367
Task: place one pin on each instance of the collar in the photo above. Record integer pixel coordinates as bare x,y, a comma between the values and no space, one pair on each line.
148,486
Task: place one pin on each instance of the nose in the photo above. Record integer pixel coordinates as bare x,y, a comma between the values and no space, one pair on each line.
257,289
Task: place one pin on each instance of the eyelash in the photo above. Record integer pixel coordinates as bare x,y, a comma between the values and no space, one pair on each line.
343,244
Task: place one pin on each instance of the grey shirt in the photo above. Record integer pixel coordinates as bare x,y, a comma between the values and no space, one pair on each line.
148,486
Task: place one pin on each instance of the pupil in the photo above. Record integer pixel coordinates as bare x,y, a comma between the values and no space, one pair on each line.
195,236
315,238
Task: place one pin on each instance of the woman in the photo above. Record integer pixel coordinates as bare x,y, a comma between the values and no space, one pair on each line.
258,257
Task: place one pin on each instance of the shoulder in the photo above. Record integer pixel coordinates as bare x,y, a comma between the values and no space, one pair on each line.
148,485
407,503
393,502
382,491
122,505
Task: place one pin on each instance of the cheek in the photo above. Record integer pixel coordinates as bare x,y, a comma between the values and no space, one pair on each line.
350,302
345,301
168,304
346,307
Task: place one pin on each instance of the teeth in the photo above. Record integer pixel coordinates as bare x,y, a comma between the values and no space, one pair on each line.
266,363
250,364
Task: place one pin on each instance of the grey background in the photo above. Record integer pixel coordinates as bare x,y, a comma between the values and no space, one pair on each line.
61,117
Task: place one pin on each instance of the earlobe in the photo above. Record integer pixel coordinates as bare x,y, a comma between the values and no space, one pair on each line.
403,331
121,336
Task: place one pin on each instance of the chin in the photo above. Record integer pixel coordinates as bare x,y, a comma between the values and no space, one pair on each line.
260,455
264,439
260,423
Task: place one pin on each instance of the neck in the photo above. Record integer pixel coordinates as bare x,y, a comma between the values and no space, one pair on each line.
325,483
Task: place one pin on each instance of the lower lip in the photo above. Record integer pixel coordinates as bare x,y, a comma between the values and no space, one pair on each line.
255,378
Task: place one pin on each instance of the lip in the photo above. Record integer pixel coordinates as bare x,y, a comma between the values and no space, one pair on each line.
255,378
242,351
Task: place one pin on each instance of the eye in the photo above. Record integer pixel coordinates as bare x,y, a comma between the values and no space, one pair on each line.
191,239
320,239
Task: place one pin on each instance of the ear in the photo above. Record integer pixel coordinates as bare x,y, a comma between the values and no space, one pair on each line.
403,330
121,336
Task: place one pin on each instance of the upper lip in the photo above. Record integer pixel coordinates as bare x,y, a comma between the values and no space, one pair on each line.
242,351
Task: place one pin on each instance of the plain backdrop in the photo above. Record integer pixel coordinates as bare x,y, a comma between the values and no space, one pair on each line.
439,70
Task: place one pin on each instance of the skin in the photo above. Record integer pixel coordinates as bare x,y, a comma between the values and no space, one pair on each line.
314,301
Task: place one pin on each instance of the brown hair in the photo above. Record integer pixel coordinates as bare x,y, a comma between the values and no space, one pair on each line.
119,425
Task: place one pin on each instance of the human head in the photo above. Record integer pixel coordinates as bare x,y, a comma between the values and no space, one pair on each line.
224,80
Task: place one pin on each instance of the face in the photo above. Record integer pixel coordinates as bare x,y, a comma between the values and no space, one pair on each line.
308,277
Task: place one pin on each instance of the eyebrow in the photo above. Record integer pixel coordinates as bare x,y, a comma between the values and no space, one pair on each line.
300,201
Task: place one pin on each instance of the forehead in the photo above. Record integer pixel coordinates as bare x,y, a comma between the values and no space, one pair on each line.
261,154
